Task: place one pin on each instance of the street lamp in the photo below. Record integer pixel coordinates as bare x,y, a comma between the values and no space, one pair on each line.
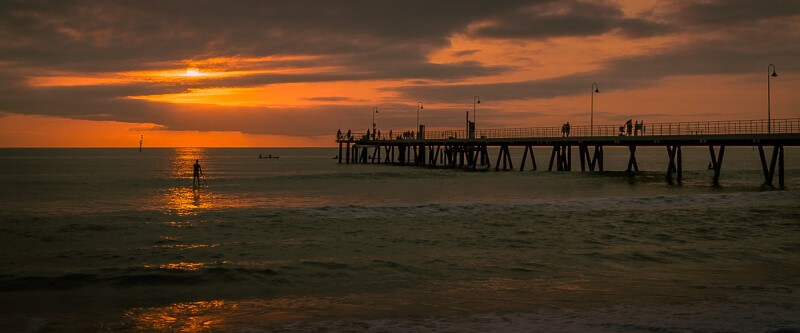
374,111
595,89
769,106
475,101
419,107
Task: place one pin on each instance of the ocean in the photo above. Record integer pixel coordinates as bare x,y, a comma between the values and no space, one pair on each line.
118,240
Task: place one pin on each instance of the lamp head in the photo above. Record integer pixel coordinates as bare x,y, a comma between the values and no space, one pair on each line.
774,74
479,101
597,90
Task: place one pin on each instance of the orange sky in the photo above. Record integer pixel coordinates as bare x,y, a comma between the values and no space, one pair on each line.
203,80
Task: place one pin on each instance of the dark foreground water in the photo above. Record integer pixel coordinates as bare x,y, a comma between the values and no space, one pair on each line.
117,240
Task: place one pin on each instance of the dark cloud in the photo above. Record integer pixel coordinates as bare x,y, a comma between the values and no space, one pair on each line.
329,99
464,53
350,41
726,13
564,19
113,36
721,56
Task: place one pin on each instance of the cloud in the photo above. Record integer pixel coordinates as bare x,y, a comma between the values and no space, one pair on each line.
114,36
723,55
307,41
566,19
727,13
464,53
329,99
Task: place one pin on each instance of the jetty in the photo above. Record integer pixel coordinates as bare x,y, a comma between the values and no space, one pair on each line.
468,148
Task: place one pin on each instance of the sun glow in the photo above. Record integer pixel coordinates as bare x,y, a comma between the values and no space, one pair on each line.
193,71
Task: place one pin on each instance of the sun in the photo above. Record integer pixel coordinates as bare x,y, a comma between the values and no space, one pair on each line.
193,71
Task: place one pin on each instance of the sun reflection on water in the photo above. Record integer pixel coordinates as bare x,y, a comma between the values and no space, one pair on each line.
182,161
182,317
187,201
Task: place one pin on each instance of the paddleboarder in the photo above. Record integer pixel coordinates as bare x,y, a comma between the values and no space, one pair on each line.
198,172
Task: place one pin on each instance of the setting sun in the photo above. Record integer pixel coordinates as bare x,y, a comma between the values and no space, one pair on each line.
193,71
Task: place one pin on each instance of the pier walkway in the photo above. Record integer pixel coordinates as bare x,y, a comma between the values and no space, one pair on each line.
469,149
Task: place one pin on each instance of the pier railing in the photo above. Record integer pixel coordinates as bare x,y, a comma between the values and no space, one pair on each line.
776,126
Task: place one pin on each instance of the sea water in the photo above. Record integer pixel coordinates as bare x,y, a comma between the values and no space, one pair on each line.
119,240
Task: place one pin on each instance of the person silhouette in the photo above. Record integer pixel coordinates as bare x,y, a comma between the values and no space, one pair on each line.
629,126
198,171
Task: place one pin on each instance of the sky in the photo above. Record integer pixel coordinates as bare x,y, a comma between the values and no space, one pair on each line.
290,73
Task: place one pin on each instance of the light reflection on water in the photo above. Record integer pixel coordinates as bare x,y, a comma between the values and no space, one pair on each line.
186,266
182,317
181,163
185,201
221,315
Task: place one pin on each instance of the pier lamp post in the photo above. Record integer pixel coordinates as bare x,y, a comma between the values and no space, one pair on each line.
374,111
595,89
769,104
475,101
419,107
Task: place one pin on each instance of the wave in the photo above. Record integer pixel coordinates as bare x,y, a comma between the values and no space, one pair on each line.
132,277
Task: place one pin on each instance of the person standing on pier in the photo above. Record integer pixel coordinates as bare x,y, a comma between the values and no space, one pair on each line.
338,134
629,126
566,129
349,134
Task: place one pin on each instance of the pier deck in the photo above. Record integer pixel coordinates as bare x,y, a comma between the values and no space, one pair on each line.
468,150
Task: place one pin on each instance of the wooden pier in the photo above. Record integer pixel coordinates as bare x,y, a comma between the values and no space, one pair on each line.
469,150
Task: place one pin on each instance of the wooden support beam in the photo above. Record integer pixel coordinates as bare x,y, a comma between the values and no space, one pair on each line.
528,149
364,152
348,153
553,156
375,153
680,163
510,162
674,164
569,159
632,165
769,171
340,153
562,159
583,151
598,158
485,157
764,166
716,162
524,157
591,160
780,167
671,163
499,156
474,158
